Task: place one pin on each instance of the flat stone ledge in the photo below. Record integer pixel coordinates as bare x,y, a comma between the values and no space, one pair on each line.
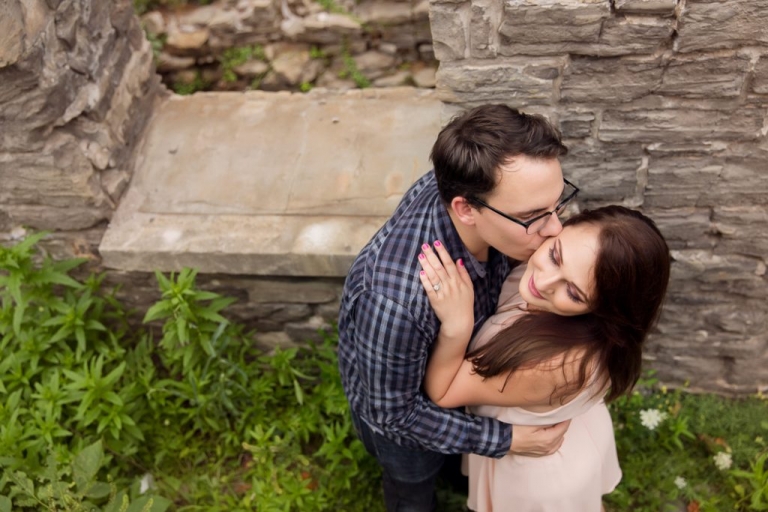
270,183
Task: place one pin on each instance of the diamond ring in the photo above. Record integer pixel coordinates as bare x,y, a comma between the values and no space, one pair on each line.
436,287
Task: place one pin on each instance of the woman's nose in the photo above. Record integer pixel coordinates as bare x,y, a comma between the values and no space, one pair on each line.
547,281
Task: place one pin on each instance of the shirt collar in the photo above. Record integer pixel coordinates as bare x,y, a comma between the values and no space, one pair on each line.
448,235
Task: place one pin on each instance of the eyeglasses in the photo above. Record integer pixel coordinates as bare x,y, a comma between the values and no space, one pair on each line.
537,223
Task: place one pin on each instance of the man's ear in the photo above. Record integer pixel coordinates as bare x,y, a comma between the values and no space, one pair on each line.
463,211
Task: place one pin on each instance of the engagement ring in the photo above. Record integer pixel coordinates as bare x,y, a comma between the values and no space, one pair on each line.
436,287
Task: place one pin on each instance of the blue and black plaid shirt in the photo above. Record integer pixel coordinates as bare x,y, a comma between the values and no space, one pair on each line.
387,326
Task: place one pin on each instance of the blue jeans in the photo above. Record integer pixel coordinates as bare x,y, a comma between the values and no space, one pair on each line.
409,475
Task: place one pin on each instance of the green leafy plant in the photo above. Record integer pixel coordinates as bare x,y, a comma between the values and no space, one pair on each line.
142,6
751,486
350,70
317,53
187,88
91,404
233,57
75,488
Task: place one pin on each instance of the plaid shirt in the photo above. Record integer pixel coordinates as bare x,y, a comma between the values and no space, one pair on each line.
387,326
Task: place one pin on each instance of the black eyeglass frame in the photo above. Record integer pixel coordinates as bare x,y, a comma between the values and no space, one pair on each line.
526,224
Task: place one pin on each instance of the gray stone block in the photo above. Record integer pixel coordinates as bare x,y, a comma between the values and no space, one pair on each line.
522,81
711,24
680,125
684,227
553,21
635,34
735,276
12,31
576,125
384,12
742,183
610,80
629,35
718,75
484,37
663,7
760,76
604,174
676,181
741,229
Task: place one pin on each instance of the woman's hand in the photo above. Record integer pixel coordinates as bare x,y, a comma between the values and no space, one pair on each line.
449,289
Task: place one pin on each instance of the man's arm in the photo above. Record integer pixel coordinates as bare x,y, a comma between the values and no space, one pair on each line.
392,353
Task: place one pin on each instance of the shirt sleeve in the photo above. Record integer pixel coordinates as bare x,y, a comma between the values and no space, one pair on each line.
392,354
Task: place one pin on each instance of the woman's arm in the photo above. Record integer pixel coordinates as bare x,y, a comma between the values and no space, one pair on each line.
546,384
450,380
453,303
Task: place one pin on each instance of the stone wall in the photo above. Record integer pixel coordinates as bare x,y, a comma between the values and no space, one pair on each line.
293,44
663,104
77,85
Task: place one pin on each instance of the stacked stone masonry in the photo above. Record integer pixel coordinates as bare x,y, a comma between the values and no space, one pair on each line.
77,85
293,44
663,104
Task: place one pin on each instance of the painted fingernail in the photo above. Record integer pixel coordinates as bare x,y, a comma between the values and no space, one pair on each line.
421,256
437,243
425,246
422,273
461,262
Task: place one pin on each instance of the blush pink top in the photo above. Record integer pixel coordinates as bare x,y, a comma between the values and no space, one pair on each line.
571,480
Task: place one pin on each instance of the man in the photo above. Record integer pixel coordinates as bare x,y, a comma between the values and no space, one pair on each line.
494,192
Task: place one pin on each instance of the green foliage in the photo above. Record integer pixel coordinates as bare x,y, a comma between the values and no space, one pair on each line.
85,399
233,57
317,53
63,383
142,6
187,88
90,404
332,6
674,462
75,488
157,42
350,70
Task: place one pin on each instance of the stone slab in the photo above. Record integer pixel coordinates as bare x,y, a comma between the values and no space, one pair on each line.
270,183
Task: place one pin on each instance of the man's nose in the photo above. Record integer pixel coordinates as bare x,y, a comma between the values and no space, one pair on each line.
553,226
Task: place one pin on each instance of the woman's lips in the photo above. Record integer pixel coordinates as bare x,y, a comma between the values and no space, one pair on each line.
532,288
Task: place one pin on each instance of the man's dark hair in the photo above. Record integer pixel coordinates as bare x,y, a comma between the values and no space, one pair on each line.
471,148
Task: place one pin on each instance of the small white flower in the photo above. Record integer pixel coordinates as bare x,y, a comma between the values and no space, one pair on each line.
723,460
680,482
650,418
147,483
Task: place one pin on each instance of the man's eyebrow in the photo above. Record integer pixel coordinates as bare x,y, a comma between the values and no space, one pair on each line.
559,245
530,213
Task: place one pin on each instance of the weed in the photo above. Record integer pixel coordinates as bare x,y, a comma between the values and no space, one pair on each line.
89,406
233,57
350,70
187,88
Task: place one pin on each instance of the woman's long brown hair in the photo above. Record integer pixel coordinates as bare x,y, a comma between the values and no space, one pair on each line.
631,275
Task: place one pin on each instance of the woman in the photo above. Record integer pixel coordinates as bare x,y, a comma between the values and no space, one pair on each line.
567,334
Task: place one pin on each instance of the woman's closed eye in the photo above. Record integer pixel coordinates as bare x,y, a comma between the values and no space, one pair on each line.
573,296
554,257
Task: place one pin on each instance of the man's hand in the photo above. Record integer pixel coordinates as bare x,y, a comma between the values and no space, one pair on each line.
537,441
